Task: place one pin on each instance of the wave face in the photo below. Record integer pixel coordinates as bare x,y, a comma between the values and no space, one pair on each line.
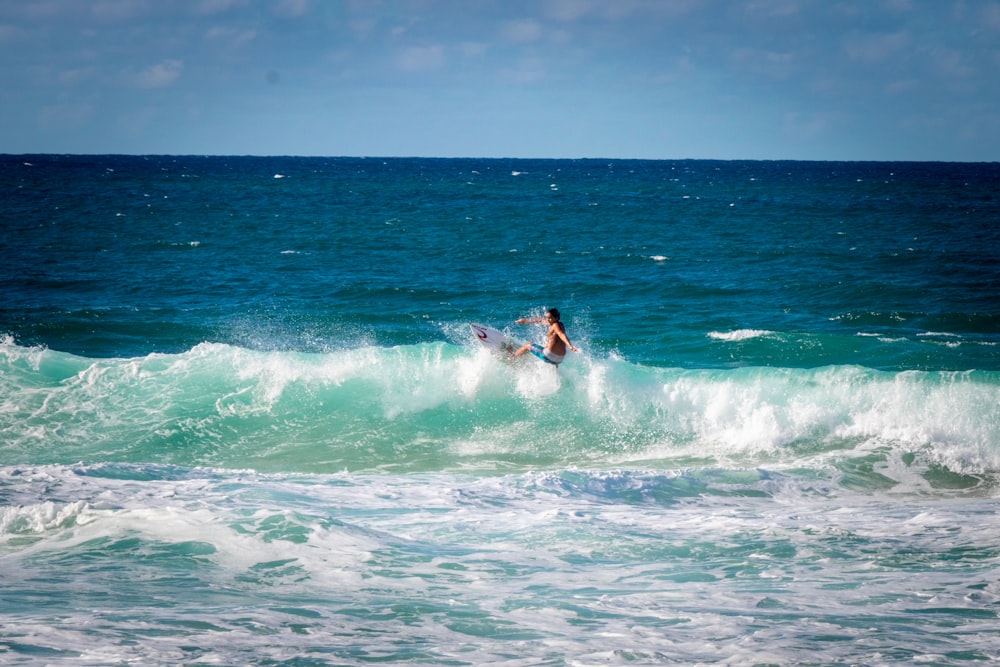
444,407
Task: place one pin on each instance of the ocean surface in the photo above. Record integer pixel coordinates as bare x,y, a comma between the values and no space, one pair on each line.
244,421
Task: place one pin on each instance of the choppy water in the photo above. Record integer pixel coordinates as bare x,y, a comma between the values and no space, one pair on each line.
243,419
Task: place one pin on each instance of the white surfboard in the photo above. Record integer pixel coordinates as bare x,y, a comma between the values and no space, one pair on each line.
493,340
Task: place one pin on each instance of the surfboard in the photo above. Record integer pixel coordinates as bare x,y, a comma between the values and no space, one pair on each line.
495,341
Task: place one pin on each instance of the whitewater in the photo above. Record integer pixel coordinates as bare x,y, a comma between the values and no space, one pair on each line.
452,406
243,419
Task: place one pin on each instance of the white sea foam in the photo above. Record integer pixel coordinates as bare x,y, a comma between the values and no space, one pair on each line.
689,566
739,334
35,519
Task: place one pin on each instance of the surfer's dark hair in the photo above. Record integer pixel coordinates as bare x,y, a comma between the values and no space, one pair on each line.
554,312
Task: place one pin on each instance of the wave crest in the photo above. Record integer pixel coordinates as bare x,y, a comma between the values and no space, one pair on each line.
441,406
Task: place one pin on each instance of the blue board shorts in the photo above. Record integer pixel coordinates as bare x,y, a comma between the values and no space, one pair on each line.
545,355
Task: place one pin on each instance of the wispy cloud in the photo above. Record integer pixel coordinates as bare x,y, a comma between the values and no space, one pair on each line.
666,62
522,30
231,37
421,58
160,75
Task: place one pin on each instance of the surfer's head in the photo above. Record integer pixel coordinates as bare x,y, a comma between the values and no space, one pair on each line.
552,313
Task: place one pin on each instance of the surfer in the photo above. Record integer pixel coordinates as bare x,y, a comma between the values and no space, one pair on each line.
556,343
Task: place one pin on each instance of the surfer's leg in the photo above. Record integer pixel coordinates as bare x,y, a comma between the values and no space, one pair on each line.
545,355
540,352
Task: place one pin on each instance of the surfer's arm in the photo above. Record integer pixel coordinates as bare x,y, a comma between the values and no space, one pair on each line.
562,334
531,320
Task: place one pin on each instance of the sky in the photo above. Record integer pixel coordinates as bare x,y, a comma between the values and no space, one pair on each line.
650,79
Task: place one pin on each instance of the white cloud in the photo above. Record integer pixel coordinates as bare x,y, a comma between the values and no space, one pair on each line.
529,70
772,64
473,49
58,116
118,10
876,48
10,33
773,8
212,7
679,69
644,10
991,16
522,30
75,77
952,64
362,28
160,75
421,58
231,37
902,86
800,125
292,8
568,10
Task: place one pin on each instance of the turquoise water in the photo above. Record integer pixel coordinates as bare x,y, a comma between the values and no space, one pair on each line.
243,419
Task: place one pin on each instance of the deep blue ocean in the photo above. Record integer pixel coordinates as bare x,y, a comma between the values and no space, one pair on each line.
244,421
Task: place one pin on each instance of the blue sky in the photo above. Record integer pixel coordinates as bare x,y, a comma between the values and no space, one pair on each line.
736,79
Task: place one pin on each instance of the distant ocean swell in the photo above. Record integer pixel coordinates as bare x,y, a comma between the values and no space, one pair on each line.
440,406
